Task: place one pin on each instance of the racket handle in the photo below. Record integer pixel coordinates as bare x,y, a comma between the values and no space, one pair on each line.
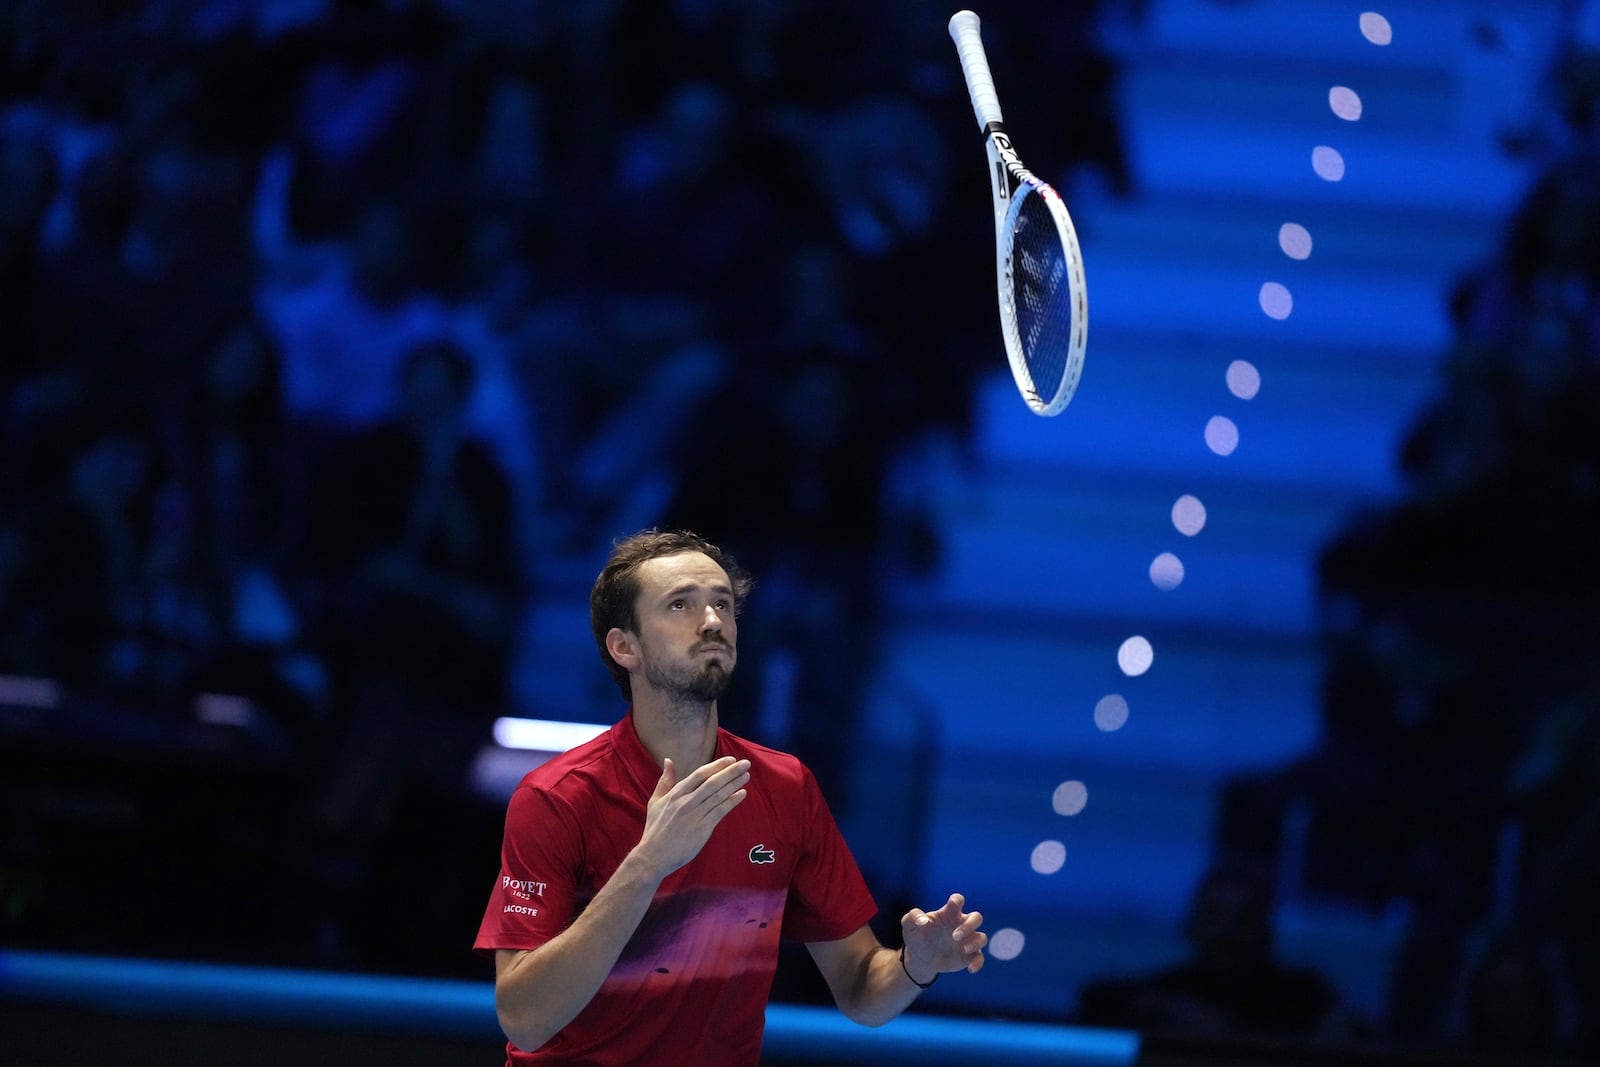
964,30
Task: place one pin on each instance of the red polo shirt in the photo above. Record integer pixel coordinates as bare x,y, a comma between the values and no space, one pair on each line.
692,984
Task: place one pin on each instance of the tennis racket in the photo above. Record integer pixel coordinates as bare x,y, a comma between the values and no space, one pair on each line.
1044,305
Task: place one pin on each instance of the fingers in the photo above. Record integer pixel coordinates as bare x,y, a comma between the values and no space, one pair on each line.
711,791
972,941
725,783
682,813
717,775
949,913
969,940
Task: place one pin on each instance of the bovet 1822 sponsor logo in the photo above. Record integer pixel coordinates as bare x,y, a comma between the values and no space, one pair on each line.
521,888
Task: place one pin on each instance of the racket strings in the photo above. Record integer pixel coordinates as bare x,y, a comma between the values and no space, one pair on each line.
1041,295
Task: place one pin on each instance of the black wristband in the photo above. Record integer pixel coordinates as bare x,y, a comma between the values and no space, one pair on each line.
903,967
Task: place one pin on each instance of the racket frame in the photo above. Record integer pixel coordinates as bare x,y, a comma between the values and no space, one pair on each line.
1011,185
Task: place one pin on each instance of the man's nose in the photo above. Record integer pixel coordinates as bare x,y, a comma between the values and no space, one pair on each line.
712,620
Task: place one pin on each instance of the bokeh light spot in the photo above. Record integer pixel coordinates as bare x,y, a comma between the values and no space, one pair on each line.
1069,798
1345,102
1166,572
1327,162
1376,28
1244,381
1295,240
1276,300
1049,857
1005,944
1222,436
1135,656
1111,713
1188,515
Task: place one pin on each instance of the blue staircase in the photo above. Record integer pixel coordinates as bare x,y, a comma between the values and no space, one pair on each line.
1050,526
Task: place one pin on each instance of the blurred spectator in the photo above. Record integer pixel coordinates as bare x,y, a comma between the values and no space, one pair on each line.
345,330
82,581
410,535
239,465
1513,1000
1554,788
236,456
1233,987
84,309
891,255
29,174
186,259
38,356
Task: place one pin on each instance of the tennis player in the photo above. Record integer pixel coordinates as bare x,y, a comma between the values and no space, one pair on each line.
646,876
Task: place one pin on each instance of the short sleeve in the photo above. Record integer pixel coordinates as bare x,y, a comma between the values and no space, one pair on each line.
535,893
828,897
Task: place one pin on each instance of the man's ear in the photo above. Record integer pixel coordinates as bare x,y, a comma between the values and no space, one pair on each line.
623,648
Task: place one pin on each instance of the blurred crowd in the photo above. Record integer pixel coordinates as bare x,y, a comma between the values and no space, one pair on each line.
339,334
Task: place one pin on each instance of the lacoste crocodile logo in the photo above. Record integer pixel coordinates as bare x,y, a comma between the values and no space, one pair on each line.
763,854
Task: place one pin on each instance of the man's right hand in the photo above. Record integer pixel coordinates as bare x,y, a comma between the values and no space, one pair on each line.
681,814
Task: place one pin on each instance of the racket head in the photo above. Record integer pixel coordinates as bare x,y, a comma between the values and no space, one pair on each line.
1044,302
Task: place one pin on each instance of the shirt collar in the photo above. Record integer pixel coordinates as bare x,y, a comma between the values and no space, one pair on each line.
642,766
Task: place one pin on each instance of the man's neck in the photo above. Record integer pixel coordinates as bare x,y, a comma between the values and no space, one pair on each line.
683,733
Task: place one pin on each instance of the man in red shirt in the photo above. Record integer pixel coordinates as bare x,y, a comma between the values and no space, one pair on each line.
646,876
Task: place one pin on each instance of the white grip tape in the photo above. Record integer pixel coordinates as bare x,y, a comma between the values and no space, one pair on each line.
964,30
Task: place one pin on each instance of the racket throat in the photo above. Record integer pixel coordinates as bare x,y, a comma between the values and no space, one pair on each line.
1000,149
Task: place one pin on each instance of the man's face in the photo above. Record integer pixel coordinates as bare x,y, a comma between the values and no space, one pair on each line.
688,637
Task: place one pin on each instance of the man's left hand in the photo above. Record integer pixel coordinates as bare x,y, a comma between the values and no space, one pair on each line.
943,940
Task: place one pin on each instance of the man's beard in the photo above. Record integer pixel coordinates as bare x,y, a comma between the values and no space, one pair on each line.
689,684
